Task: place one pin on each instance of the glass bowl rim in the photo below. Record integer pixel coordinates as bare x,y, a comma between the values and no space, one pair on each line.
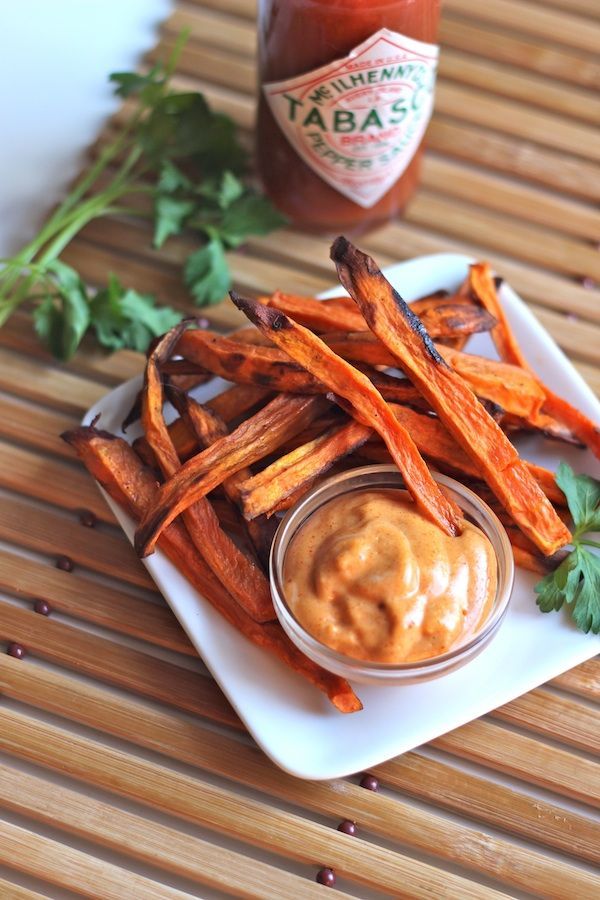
318,651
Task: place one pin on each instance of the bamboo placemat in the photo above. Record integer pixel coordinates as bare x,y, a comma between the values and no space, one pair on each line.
124,773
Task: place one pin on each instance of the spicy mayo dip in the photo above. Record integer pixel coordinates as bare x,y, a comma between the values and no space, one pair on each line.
369,576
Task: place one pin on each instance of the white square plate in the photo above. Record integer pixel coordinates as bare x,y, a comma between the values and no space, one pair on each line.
292,722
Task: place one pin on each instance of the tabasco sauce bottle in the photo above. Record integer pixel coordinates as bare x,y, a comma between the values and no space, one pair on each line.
346,93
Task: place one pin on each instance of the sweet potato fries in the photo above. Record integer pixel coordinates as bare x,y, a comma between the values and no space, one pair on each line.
309,394
402,332
116,466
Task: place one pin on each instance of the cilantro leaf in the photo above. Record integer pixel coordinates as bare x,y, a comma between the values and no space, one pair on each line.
170,214
222,190
586,609
249,214
554,588
62,318
124,318
172,179
583,497
206,273
576,581
148,87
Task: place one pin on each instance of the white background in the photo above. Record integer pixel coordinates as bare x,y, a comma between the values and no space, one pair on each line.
55,56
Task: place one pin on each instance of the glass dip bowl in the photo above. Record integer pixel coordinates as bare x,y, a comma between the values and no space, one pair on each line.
376,478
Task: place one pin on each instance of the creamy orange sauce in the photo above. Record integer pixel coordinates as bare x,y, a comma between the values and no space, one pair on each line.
370,577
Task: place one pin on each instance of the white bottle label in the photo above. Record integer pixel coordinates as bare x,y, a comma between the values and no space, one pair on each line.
358,121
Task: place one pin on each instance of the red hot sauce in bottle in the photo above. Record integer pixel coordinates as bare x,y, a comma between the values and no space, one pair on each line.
346,93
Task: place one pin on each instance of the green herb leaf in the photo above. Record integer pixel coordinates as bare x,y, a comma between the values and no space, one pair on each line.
586,610
62,318
249,214
583,497
124,318
576,581
147,87
206,273
172,179
170,215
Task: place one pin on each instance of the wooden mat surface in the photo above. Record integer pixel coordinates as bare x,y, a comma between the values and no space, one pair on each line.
124,774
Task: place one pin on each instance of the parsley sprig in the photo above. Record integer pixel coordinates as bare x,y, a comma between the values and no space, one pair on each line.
174,155
576,581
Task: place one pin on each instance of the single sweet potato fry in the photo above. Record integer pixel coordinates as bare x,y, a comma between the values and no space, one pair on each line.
208,428
246,363
483,288
315,314
368,406
453,400
254,439
442,319
115,465
265,491
239,574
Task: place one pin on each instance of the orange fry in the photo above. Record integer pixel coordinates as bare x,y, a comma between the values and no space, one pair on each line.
442,318
265,491
484,289
453,400
208,428
368,406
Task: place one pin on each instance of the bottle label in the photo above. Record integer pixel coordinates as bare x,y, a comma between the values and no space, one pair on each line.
358,121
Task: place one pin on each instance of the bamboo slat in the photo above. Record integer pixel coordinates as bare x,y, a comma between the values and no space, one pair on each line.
150,842
584,680
529,18
52,386
386,816
528,53
532,818
525,758
203,803
35,426
55,534
489,191
79,872
82,598
538,245
55,482
116,664
213,27
517,120
521,159
564,720
12,891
